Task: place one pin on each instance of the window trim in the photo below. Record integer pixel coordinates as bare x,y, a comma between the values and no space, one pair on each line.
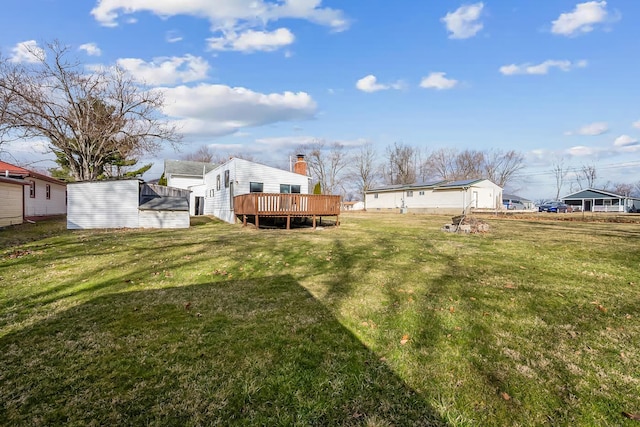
48,191
218,182
252,183
32,189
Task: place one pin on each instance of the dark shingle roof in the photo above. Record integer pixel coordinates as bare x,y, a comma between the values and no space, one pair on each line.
185,167
592,193
405,186
462,183
165,203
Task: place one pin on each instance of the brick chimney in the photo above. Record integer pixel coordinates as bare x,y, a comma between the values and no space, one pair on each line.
300,166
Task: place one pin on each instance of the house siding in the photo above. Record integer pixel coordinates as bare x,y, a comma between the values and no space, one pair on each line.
40,205
163,219
108,204
11,209
241,174
438,199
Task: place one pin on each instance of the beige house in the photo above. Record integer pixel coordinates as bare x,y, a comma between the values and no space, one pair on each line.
12,206
447,197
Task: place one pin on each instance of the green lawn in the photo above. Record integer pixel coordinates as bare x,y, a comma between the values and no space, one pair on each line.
383,321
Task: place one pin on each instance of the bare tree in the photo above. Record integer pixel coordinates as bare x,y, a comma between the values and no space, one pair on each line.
442,163
88,117
400,164
587,176
202,154
364,171
327,165
559,171
470,164
623,189
502,167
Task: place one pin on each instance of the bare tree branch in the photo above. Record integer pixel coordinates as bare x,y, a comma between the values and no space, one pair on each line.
88,117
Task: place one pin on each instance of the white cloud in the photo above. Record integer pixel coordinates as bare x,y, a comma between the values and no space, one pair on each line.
27,51
225,15
287,142
216,110
438,81
91,49
173,36
592,129
636,124
464,22
370,84
582,19
624,141
582,151
542,68
166,71
251,41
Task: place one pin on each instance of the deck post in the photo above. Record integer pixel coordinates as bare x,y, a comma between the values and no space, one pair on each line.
314,222
244,220
257,221
288,222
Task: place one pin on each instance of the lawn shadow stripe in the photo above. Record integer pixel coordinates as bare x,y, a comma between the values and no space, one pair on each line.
259,352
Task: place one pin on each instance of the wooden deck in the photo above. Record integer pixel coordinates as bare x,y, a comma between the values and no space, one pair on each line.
287,206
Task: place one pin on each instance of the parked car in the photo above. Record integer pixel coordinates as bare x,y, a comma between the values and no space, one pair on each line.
553,207
512,205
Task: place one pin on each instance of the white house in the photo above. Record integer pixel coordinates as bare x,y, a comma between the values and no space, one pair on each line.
189,176
594,200
353,206
12,197
238,177
43,195
448,197
127,203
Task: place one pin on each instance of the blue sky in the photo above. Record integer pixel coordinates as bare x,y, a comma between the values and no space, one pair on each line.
551,79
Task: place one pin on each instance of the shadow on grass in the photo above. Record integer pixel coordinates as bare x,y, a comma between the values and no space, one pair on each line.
258,352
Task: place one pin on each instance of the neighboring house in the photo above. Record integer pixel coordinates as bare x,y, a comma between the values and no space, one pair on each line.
592,200
189,176
43,196
238,177
513,202
127,203
353,206
12,198
437,197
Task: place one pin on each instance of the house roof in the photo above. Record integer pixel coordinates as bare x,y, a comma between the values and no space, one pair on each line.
438,185
13,181
515,197
165,203
460,184
17,172
592,193
185,167
405,186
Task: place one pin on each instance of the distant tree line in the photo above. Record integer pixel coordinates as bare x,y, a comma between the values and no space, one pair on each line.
352,172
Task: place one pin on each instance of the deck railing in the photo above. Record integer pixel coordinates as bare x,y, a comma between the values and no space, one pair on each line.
276,204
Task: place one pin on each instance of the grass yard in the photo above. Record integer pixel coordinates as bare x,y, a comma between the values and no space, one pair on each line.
383,321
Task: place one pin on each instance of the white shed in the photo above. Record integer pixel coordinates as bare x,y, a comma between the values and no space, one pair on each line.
449,197
128,203
237,177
